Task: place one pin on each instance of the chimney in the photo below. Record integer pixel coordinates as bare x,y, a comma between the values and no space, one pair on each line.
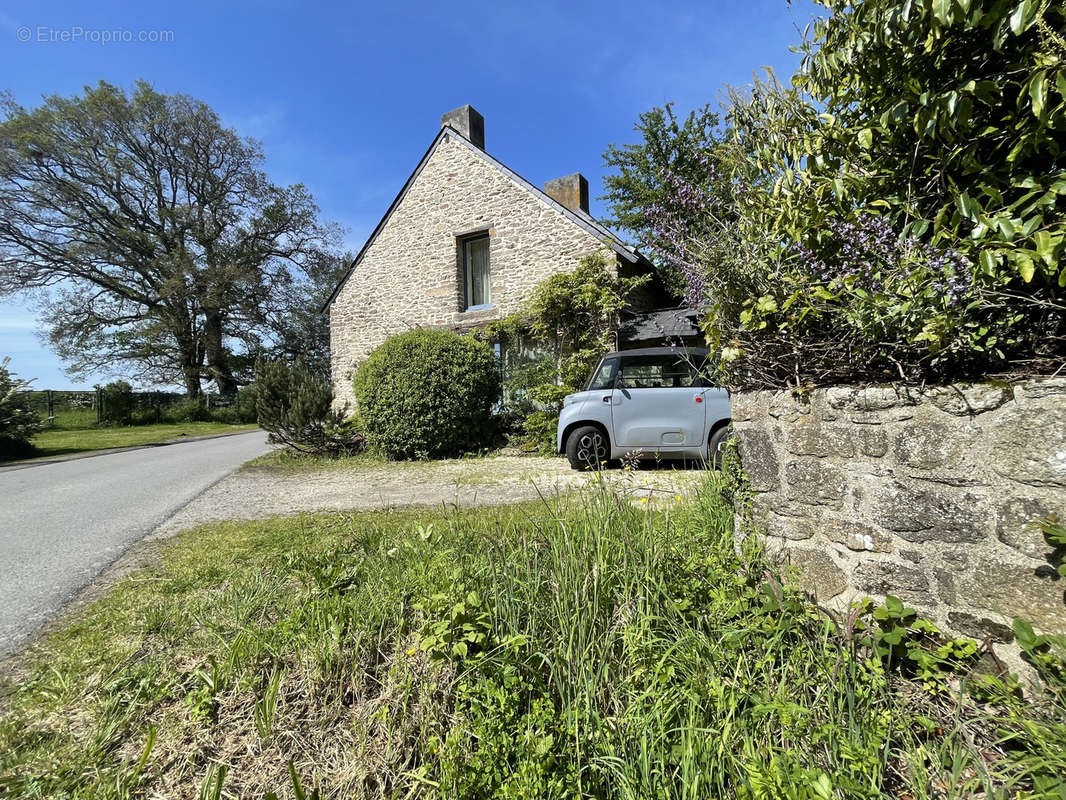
571,190
468,122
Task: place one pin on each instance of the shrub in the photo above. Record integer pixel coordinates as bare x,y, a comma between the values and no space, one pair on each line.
897,212
188,411
295,408
116,403
244,407
428,394
18,422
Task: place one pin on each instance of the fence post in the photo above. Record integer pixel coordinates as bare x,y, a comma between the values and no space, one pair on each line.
99,399
51,410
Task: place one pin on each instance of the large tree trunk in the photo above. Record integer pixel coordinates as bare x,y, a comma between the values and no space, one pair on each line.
192,381
217,362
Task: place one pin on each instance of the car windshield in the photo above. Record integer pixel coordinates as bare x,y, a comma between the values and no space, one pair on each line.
603,376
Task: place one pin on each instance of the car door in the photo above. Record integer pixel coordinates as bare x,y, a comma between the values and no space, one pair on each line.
655,404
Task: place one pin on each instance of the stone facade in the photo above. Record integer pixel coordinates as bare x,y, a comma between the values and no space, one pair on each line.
411,273
928,495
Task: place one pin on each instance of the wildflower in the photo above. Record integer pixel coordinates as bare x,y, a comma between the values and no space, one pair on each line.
677,497
411,651
644,499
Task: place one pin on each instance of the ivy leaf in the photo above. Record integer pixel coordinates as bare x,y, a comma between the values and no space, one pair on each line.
767,304
1045,246
1038,91
968,207
1023,16
1026,267
1024,633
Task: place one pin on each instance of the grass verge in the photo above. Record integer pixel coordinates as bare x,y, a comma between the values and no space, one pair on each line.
584,646
52,442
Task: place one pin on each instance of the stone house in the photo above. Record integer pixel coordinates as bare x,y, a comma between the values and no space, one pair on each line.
464,243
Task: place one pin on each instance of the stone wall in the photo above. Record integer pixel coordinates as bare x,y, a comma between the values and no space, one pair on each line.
925,494
411,274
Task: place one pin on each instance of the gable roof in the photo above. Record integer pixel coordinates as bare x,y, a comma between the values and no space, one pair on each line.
580,219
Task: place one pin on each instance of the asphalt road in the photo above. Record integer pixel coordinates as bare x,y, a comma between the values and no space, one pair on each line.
62,523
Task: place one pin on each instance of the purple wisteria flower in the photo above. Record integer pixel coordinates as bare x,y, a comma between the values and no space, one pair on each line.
867,250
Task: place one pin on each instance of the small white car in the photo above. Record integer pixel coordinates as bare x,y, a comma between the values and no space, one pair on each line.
654,402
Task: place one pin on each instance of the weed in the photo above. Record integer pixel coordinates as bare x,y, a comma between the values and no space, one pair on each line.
581,646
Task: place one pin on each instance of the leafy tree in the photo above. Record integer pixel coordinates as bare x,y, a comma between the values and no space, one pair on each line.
295,407
18,421
428,394
301,330
650,194
150,231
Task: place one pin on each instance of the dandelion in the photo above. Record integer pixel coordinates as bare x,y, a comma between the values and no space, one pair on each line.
644,499
411,651
677,497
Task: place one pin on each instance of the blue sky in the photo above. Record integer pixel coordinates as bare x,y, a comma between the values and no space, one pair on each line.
346,97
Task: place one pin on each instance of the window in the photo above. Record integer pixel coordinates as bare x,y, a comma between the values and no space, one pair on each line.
660,371
477,288
603,378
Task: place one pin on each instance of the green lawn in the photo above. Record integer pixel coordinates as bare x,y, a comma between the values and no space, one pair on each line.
582,646
60,441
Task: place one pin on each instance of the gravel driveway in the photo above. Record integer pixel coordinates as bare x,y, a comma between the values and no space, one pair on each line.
256,492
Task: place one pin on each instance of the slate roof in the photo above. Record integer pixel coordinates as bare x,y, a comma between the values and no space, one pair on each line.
664,323
579,218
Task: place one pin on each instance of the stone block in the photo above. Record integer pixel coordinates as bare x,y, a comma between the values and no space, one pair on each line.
1046,387
922,515
809,436
891,577
945,586
927,445
820,575
872,440
788,406
970,399
871,398
791,528
1015,525
856,536
1028,443
814,482
758,458
980,627
748,406
1016,590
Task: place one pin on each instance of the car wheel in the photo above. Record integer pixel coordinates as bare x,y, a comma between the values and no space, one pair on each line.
587,447
716,444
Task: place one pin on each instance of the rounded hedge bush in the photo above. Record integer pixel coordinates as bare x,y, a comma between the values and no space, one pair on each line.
428,394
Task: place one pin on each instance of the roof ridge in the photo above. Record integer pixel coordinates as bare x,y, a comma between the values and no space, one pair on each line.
586,221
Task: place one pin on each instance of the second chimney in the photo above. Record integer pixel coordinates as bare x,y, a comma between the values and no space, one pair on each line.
571,190
468,122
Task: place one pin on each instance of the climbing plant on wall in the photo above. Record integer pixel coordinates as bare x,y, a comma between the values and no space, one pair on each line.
549,347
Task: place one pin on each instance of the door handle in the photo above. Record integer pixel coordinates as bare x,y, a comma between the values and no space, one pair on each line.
607,399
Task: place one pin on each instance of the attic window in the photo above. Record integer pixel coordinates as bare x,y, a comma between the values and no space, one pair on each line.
477,288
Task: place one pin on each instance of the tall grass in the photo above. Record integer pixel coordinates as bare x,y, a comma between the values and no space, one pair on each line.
582,646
